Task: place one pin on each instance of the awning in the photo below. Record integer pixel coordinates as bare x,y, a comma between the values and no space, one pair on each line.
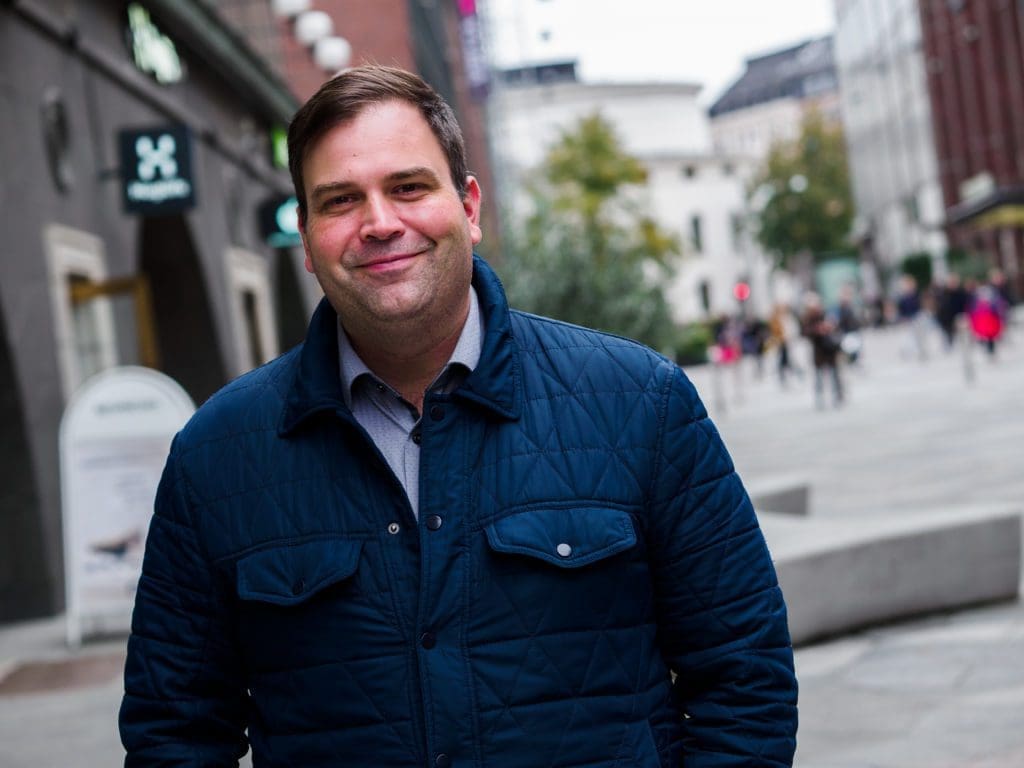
1003,207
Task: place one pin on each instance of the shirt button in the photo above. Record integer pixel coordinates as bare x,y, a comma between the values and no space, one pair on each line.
394,528
436,412
299,587
380,387
434,522
564,550
428,640
442,761
417,437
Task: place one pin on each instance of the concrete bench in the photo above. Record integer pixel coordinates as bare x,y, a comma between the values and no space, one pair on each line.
786,494
839,575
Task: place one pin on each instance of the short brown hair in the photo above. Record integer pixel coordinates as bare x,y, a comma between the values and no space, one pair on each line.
348,93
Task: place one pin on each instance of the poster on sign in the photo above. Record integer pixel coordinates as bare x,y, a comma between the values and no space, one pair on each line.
114,439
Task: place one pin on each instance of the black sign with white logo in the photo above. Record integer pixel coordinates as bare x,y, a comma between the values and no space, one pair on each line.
156,170
279,222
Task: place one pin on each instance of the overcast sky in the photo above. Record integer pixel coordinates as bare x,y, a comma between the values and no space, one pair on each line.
700,41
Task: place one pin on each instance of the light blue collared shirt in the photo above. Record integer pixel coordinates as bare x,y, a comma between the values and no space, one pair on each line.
391,421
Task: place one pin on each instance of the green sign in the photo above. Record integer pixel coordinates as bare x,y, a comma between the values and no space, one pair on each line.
279,146
152,51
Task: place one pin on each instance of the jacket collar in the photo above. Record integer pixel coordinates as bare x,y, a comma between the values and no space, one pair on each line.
495,383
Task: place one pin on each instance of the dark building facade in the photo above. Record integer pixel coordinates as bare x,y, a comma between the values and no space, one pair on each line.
136,155
975,61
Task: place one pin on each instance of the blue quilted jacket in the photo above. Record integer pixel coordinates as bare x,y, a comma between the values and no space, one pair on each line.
586,585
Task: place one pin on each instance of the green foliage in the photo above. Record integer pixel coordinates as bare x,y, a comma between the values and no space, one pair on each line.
805,188
692,343
586,254
966,264
919,266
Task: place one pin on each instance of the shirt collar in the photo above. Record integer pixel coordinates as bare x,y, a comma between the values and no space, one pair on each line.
466,353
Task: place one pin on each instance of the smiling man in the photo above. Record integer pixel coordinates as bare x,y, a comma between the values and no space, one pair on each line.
441,532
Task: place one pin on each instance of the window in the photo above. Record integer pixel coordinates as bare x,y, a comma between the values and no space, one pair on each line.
83,327
705,296
255,330
696,235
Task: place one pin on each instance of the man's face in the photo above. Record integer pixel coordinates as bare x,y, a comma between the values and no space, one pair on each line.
385,232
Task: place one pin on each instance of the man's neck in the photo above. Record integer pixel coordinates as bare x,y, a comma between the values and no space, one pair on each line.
409,362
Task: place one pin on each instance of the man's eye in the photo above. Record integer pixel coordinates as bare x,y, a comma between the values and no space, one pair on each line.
337,200
409,189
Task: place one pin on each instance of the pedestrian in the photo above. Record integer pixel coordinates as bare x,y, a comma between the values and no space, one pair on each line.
440,532
848,325
823,335
911,314
783,327
951,306
987,316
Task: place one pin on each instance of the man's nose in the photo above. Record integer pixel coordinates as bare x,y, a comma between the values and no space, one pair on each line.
380,220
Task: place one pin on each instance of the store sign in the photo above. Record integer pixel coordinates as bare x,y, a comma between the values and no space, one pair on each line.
152,51
478,71
114,439
156,170
279,222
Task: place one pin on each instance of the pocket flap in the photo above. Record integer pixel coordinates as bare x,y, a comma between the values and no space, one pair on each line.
290,574
568,538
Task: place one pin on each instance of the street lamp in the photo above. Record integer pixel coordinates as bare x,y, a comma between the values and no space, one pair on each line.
289,9
312,26
332,54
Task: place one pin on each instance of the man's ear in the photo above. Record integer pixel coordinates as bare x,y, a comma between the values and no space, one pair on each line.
301,216
471,205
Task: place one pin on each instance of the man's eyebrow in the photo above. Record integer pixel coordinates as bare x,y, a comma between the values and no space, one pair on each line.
412,173
331,187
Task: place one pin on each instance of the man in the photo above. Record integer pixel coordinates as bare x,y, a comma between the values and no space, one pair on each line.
440,533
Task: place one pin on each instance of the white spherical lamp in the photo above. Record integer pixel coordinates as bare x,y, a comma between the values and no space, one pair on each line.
287,9
332,53
312,26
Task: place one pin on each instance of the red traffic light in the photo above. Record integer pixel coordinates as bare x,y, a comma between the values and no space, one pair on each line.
741,291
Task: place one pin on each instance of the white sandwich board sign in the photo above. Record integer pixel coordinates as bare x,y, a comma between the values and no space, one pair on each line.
114,439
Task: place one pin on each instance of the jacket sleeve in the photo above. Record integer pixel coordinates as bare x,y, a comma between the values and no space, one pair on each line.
185,697
722,619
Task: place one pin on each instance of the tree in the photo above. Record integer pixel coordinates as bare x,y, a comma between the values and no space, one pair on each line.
803,194
587,254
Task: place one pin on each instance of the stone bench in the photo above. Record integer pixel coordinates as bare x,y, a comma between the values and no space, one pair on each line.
786,494
839,575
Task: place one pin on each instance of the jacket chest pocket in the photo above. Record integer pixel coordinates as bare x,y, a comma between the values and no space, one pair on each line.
302,603
562,569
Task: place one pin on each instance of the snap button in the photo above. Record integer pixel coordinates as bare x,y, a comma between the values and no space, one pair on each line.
394,528
442,761
436,412
564,550
434,522
417,437
299,587
427,640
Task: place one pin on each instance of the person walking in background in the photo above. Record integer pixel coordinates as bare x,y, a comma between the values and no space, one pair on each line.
911,315
987,314
848,325
441,532
952,300
783,328
823,335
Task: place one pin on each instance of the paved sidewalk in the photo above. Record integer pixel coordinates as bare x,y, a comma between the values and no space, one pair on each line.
944,691
939,692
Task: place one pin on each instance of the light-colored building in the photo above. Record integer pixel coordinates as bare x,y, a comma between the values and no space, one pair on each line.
887,118
769,101
692,191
